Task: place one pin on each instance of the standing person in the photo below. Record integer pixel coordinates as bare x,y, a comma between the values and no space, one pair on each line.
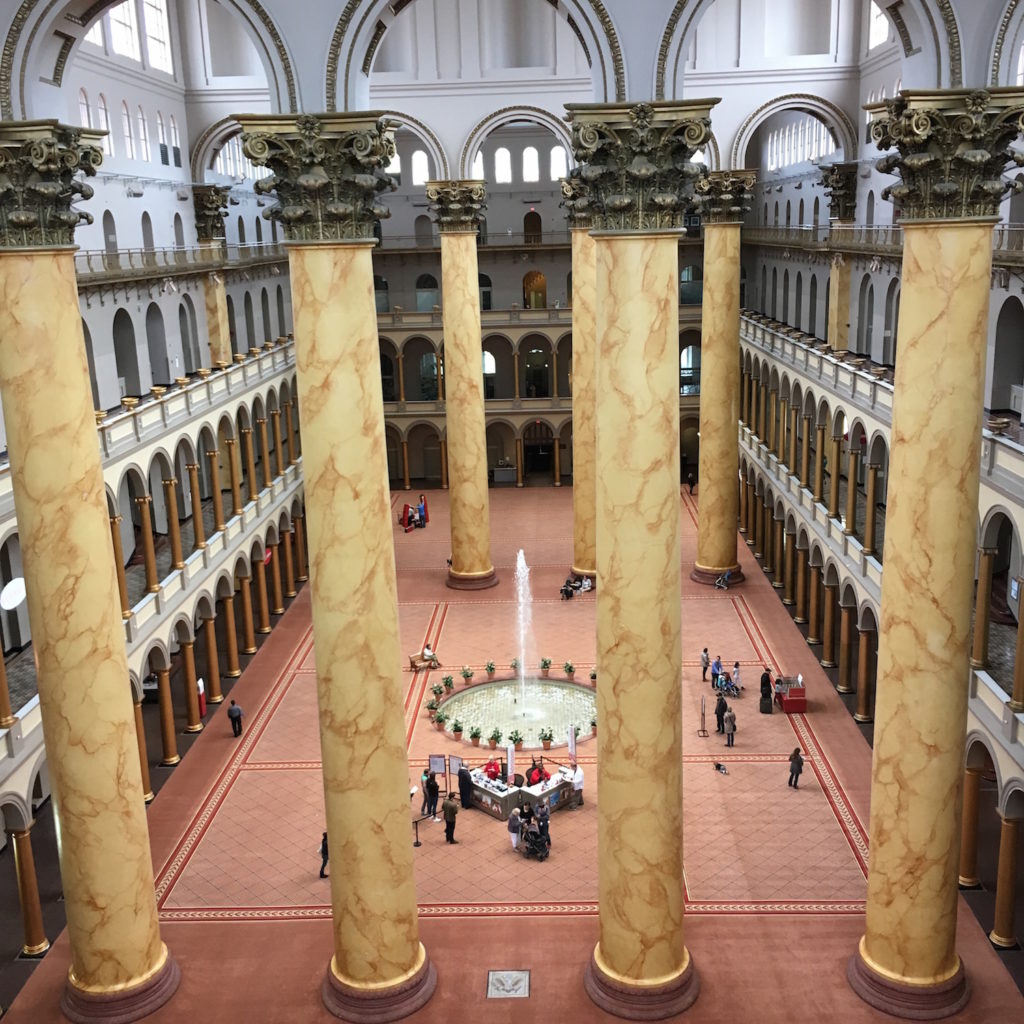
720,709
577,786
766,679
690,481
449,809
729,719
433,791
705,664
424,806
235,714
513,827
716,671
323,854
544,820
465,787
796,766
736,675
778,694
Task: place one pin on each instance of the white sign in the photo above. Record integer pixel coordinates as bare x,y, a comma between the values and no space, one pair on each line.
454,764
572,740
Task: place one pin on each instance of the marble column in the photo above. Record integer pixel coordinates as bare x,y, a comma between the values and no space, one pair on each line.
814,604
262,599
227,611
36,943
840,183
188,671
140,743
301,562
780,543
122,579
982,607
148,547
865,677
1003,934
7,715
289,565
640,968
198,530
213,692
173,524
794,438
213,458
251,482
290,431
834,476
236,487
852,472
119,965
276,592
908,955
275,422
168,734
379,969
819,465
248,627
265,451
406,482
458,208
725,197
870,501
584,399
800,609
968,872
847,615
210,203
828,637
1016,701
805,453
789,571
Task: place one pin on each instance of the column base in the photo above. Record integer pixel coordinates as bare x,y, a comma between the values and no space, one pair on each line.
788,602
827,664
263,630
149,797
124,1005
580,573
778,585
219,699
471,581
800,620
913,1002
232,675
641,1002
198,727
978,663
813,641
844,689
170,762
35,951
863,719
302,579
968,883
706,576
1003,943
378,1006
1015,705
250,650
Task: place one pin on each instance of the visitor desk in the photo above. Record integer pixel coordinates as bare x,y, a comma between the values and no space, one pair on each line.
497,799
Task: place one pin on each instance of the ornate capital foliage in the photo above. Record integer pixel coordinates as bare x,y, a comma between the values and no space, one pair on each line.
577,201
327,172
725,196
634,161
38,164
840,184
952,147
457,205
211,206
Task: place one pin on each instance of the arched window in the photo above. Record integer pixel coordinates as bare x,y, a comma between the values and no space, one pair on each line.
161,129
559,166
175,141
427,294
84,112
420,167
478,167
124,31
104,124
878,26
241,230
126,131
531,165
502,166
95,34
485,300
144,153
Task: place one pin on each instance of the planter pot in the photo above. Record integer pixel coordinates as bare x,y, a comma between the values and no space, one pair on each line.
546,744
490,675
457,736
492,743
593,730
439,725
465,681
570,676
519,746
544,672
475,740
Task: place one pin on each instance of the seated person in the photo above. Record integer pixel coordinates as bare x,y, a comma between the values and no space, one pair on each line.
586,584
414,516
492,769
429,657
537,774
567,589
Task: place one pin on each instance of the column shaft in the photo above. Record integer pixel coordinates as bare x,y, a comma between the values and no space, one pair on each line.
188,672
780,542
780,448
968,877
250,463
557,452
262,599
173,525
236,487
819,465
301,563
7,716
227,606
248,628
406,482
217,323
213,458
265,451
828,640
789,572
869,510
982,607
198,529
290,429
847,614
1003,932
289,565
275,422
805,453
834,477
1016,701
800,610
773,401
35,943
168,734
751,514
838,327
276,593
794,436
140,742
865,677
148,548
444,464
852,472
122,579
814,601
519,462
213,692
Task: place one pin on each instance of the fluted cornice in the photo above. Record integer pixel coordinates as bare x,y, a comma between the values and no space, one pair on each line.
725,196
457,205
635,161
327,172
39,164
952,149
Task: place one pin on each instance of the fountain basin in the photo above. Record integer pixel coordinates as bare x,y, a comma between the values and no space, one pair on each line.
550,704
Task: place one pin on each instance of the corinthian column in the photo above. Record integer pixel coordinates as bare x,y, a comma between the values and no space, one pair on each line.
725,198
952,148
840,184
641,967
327,172
584,381
120,968
458,207
211,207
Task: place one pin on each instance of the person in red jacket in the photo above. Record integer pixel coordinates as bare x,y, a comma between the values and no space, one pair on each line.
492,769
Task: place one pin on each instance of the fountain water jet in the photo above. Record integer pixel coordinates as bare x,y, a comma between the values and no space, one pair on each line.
524,620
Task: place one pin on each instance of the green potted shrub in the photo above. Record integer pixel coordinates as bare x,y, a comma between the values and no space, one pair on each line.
439,720
457,729
516,737
432,708
467,674
490,669
474,735
495,738
449,682
569,669
593,727
545,666
515,665
546,736
437,690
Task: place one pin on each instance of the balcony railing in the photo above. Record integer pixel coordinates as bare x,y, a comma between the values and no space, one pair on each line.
97,264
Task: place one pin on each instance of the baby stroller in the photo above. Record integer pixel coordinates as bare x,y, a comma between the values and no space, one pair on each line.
532,843
728,687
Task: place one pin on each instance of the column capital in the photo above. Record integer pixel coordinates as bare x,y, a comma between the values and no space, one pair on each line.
38,164
171,482
327,171
635,160
457,205
952,146
577,202
211,207
725,196
840,184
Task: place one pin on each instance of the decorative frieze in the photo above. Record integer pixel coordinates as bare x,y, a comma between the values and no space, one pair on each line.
725,196
635,160
211,207
952,148
840,184
39,161
327,172
457,205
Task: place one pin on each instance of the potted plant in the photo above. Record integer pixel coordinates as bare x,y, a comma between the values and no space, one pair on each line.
593,677
495,738
449,683
490,669
437,690
515,665
467,674
432,708
546,736
545,666
569,669
439,720
457,729
474,735
593,727
516,737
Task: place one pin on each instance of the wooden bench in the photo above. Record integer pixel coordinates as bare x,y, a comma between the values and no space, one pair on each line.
417,661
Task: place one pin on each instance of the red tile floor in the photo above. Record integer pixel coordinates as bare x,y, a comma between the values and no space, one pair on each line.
775,878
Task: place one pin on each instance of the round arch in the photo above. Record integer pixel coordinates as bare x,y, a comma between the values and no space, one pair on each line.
538,115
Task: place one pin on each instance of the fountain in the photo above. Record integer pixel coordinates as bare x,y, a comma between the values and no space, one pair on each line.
524,702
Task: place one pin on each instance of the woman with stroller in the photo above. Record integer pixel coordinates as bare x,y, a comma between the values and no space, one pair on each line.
544,821
514,825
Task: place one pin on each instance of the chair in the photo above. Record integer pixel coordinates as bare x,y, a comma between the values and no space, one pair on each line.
517,780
